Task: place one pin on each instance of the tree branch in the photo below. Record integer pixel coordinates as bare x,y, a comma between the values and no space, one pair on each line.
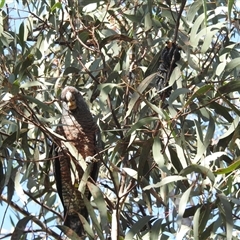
34,219
178,20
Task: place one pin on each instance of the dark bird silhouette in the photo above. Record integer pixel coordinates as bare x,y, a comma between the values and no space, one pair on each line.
169,56
79,129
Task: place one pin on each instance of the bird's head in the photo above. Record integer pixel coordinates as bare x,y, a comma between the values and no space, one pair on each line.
69,96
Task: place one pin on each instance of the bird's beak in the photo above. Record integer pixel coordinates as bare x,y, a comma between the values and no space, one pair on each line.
72,104
71,101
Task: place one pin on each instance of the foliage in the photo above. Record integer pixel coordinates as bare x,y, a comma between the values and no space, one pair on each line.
170,166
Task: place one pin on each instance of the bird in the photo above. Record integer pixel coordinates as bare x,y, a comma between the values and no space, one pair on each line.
169,56
79,129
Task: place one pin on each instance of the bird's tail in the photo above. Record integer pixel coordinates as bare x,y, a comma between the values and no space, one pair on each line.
73,221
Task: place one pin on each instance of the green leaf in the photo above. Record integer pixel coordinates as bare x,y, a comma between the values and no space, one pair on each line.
23,35
165,181
196,220
9,141
27,62
134,18
204,218
183,204
140,123
2,3
15,87
156,229
55,6
230,87
231,129
235,165
137,94
184,229
6,38
86,174
210,132
143,166
233,64
27,85
227,214
210,33
138,226
69,232
221,110
220,68
40,104
198,169
86,2
230,4
19,230
176,94
191,13
131,172
195,29
148,21
100,203
175,159
154,64
208,231
2,177
157,155
94,219
205,12
18,188
201,147
71,70
200,92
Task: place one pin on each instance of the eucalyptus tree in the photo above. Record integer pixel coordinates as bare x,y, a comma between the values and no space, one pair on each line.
170,162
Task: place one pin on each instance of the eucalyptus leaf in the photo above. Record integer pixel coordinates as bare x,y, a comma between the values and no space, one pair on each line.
20,227
168,159
198,169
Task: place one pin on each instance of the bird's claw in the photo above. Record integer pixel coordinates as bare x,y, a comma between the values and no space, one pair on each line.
90,159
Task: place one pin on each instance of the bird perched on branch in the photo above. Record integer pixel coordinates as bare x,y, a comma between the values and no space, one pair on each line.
79,129
169,56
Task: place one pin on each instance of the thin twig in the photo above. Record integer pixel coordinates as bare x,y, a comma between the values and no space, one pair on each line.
34,219
42,205
88,72
114,116
178,20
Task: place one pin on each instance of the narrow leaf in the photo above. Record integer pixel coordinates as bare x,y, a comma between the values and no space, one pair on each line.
131,172
229,169
196,220
39,103
157,155
69,232
191,13
183,204
137,227
20,227
93,216
100,202
2,2
205,12
227,214
55,6
137,94
231,129
230,4
166,180
230,87
140,123
200,92
199,169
